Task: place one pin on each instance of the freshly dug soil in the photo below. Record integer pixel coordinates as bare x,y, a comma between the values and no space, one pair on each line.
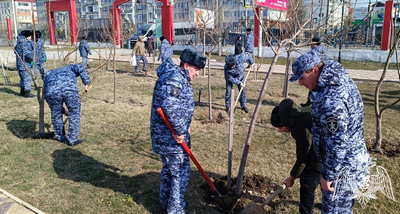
255,189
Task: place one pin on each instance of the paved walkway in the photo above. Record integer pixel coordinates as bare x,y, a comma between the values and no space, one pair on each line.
9,204
124,55
368,75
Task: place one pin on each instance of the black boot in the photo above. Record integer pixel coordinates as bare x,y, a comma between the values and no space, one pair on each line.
28,94
22,92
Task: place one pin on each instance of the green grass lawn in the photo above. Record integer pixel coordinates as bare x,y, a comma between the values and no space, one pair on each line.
115,170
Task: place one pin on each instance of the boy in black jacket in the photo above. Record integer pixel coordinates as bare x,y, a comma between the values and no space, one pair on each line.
287,117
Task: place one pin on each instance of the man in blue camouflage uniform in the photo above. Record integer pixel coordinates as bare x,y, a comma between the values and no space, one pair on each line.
173,92
84,50
165,49
40,55
234,74
337,114
249,45
60,86
24,58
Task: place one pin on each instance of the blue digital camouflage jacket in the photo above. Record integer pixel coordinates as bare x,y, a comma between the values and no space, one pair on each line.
40,54
338,114
165,50
236,75
64,79
173,92
84,49
249,45
320,51
24,49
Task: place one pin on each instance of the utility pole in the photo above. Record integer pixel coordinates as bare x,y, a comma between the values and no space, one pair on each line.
154,11
328,14
145,7
341,34
15,21
133,13
368,23
99,7
219,14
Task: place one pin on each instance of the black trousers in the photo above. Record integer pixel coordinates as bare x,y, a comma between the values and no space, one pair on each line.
309,181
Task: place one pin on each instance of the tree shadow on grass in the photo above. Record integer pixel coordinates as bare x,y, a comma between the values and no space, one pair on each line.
26,129
72,165
8,91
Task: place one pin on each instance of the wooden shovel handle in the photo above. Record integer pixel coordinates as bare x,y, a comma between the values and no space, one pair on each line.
274,194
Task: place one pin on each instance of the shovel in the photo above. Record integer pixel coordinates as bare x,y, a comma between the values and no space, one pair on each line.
187,150
255,208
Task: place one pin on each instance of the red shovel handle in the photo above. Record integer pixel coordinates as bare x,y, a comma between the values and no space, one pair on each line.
186,148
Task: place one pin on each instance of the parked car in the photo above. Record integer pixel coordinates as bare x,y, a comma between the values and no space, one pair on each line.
144,30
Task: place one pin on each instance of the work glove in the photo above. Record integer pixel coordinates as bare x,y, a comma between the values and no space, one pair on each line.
45,59
32,63
158,59
242,85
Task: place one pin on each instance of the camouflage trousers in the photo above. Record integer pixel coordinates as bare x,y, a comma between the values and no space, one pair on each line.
342,205
25,80
85,61
242,98
73,102
41,69
174,180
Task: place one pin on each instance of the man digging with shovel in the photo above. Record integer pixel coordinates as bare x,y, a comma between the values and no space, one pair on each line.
287,117
173,93
60,86
234,75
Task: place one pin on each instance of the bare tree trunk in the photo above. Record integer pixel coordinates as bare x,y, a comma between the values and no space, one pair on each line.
40,97
378,141
210,117
115,75
204,49
239,181
287,72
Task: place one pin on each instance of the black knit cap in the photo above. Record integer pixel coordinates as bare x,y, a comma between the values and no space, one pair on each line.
316,40
26,33
162,38
230,61
193,58
275,120
248,29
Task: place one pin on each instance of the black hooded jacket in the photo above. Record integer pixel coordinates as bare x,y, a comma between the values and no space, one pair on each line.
238,46
299,123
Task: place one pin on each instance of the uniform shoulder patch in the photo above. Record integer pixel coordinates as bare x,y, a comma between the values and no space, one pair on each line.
332,124
175,91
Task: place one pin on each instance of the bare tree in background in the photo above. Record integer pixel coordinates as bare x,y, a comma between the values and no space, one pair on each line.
378,108
210,30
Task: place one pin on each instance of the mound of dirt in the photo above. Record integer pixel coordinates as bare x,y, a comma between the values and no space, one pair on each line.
255,189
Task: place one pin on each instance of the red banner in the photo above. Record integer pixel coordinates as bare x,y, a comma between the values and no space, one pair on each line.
273,4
